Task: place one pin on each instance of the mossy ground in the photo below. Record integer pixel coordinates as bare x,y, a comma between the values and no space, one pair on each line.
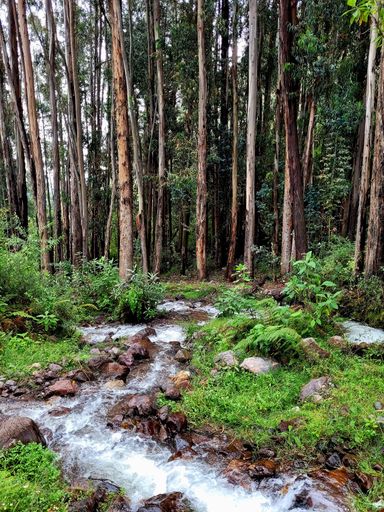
251,408
19,352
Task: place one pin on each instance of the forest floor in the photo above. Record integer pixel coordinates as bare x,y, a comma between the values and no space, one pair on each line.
338,438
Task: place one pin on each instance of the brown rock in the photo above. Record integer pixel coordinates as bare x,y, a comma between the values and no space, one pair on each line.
139,350
127,359
237,473
95,363
183,355
173,502
114,370
133,405
172,392
120,504
313,351
262,469
177,422
181,378
364,481
62,387
61,411
19,429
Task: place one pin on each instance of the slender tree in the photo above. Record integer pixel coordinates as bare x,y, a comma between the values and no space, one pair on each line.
34,133
123,161
250,210
201,199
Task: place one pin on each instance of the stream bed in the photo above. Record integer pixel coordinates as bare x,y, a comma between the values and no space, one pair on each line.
88,448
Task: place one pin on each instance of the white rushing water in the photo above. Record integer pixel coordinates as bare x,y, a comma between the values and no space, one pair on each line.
139,465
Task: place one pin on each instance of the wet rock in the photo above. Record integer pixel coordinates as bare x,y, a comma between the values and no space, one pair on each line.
183,355
315,389
19,429
139,350
182,379
152,427
80,375
172,392
90,504
115,384
177,422
312,350
262,469
184,454
95,363
120,504
173,502
237,473
133,405
258,365
126,359
114,370
333,461
364,481
60,411
226,358
338,342
266,453
163,413
302,500
62,387
147,331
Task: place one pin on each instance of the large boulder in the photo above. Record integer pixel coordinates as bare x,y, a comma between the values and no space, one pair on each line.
62,387
173,502
258,365
315,389
19,429
133,405
114,370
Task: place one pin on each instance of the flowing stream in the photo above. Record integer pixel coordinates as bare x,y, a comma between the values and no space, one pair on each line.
88,448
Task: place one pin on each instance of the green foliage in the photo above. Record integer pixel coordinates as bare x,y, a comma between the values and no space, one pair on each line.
241,274
307,287
232,302
272,340
337,260
138,297
31,480
364,301
19,352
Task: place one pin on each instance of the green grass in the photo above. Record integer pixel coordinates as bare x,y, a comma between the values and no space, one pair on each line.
192,290
251,407
18,353
31,480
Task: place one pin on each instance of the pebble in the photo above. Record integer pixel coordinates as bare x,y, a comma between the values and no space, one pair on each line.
378,406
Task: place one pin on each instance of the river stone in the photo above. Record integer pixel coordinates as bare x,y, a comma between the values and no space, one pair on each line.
177,422
258,365
315,389
181,379
262,469
357,333
115,384
173,502
226,358
62,387
172,392
120,504
139,350
312,350
183,355
55,367
19,429
114,370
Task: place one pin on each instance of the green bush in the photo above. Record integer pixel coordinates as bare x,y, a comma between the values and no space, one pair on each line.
337,261
364,301
307,288
31,480
137,298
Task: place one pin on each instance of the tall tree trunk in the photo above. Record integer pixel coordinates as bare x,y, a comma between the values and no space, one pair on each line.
57,225
235,136
108,228
123,162
294,190
250,213
70,7
374,256
34,133
14,64
366,164
201,199
162,171
137,156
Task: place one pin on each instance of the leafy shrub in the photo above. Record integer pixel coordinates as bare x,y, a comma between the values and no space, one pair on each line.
232,302
272,340
307,287
337,260
30,480
137,298
364,302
